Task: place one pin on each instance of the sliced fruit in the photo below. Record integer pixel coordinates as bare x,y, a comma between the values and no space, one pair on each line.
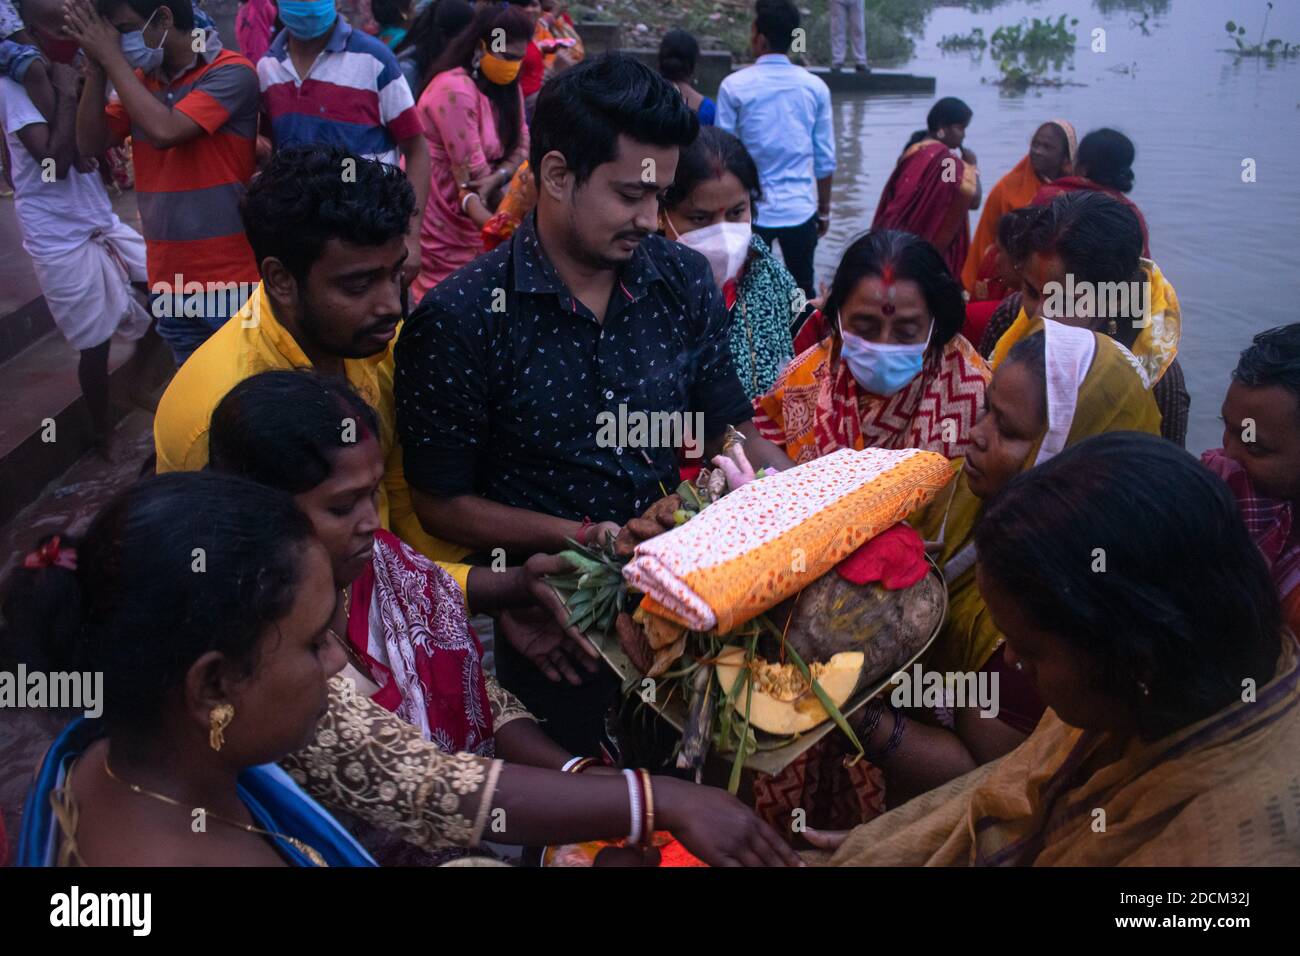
783,701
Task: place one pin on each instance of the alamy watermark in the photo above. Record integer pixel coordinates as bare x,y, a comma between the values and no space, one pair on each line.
75,908
72,690
948,689
196,300
638,429
1102,300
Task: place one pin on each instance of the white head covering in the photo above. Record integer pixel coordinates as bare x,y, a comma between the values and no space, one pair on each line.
1068,352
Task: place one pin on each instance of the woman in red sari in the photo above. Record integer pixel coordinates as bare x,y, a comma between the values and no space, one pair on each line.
1105,165
932,190
402,617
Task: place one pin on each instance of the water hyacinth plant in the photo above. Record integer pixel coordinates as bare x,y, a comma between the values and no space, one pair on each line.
1271,48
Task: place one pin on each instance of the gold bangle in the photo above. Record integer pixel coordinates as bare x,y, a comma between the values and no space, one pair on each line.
648,809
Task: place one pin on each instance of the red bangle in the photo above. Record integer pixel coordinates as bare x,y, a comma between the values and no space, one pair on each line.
585,530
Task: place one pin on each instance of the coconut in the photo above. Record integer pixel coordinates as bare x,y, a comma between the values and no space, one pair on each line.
833,615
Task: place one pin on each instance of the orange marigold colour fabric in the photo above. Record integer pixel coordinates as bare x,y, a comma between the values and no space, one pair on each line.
771,538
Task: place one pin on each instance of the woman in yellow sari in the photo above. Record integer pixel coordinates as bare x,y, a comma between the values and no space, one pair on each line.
1084,267
1060,386
1172,687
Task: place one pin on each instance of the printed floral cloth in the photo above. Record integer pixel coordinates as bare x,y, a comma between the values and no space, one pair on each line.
772,538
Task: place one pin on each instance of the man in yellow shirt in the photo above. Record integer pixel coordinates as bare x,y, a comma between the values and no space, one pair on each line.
328,230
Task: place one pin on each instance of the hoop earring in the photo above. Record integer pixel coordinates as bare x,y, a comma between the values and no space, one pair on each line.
219,719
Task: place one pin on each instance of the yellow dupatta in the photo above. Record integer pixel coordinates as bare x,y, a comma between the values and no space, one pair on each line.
1093,386
1156,345
1211,794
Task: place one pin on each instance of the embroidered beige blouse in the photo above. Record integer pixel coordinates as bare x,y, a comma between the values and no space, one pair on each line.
369,762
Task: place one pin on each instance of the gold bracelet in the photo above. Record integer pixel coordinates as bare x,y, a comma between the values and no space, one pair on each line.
648,808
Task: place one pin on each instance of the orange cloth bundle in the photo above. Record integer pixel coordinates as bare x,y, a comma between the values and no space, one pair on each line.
772,538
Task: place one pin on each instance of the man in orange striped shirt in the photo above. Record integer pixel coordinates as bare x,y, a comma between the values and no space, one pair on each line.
191,110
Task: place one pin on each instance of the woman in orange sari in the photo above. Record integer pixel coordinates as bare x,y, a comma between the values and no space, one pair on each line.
931,190
1104,165
1052,154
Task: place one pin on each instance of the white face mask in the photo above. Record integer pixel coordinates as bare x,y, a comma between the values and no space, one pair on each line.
724,244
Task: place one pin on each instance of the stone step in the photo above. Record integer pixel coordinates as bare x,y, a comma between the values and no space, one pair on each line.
44,400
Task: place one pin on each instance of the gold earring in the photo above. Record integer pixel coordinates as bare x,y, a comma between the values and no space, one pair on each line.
219,719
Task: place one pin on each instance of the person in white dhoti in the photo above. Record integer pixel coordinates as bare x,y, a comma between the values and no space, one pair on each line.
84,257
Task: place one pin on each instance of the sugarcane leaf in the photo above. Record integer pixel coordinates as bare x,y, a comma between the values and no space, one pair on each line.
733,783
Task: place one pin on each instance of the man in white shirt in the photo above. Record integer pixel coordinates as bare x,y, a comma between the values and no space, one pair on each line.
782,113
84,257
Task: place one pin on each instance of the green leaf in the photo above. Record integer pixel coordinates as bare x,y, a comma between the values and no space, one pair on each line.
826,702
737,765
582,562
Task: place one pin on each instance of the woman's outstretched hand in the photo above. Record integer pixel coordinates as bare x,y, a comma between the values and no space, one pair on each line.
717,827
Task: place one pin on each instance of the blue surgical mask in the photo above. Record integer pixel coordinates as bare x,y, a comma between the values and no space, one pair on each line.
140,55
883,369
307,19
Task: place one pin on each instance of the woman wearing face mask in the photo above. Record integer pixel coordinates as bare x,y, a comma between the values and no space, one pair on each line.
472,112
708,208
893,370
935,184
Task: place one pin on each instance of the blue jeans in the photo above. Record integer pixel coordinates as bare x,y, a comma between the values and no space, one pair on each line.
185,331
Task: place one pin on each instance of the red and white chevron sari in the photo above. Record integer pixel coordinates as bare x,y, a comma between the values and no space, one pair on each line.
816,407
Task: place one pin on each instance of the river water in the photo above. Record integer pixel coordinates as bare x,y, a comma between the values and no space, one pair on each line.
1193,111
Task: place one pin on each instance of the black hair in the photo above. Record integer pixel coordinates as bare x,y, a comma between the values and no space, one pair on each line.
1272,359
1098,238
948,111
40,622
713,153
678,52
388,13
182,11
944,112
902,255
1012,228
173,567
460,50
1185,606
582,111
1108,155
283,428
302,199
776,20
430,31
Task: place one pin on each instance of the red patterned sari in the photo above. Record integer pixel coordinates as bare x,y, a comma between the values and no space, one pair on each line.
817,407
407,623
929,195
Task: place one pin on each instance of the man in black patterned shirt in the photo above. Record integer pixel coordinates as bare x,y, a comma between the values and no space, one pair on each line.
550,383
